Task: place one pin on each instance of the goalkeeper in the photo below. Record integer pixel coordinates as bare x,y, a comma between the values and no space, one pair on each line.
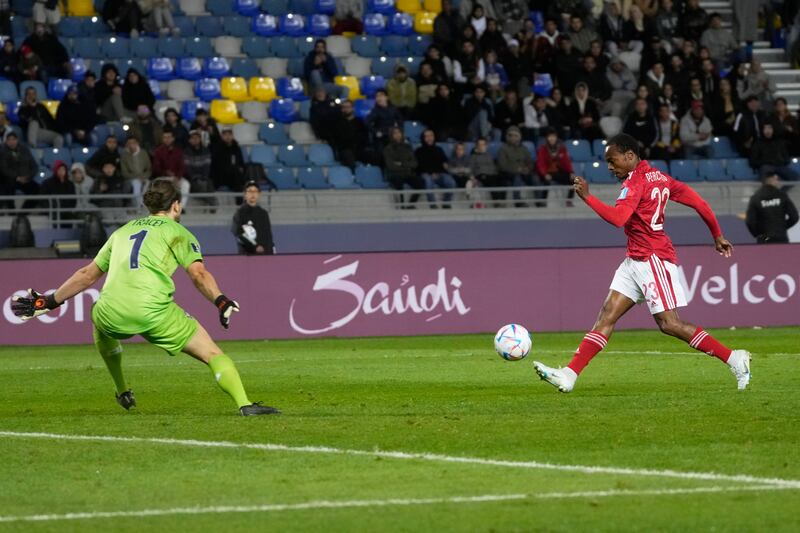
140,259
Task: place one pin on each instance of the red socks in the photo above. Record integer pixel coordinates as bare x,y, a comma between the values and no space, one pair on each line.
705,343
592,343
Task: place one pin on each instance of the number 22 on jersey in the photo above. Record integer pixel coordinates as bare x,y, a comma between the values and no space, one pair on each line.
657,222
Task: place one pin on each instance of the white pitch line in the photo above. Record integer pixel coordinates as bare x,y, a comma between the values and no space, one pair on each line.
386,454
328,504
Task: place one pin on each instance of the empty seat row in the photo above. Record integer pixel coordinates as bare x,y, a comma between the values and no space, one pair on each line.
338,177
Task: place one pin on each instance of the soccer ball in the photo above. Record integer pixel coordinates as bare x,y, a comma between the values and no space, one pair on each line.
512,342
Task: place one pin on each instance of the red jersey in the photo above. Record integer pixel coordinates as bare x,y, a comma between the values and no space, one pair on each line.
640,208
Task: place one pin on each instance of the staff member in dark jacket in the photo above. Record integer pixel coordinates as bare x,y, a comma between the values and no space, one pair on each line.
771,213
251,224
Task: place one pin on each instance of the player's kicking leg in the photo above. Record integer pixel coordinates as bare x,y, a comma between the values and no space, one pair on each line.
111,351
616,305
203,348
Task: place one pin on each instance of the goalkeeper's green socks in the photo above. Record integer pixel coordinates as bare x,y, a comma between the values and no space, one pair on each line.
111,351
228,379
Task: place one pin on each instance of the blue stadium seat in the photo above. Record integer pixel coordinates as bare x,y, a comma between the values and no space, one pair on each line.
291,88
366,46
57,88
305,110
684,170
597,172
292,155
312,178
362,107
155,87
273,133
321,155
124,64
265,25
659,164
283,178
319,25
285,47
99,134
81,154
245,68
401,24
739,169
71,27
711,170
219,7
160,69
723,148
94,27
115,47
189,68
342,178
199,47
237,26
375,24
394,45
247,8
144,47
275,7
256,47
41,90
579,168
51,155
264,155
207,89
412,130
282,110
411,63
385,7
293,25
370,177
189,109
171,47
8,91
418,44
326,7
79,68
579,150
294,67
538,20
185,25
371,84
306,44
209,26
87,48
303,7
599,148
12,111
216,67
383,66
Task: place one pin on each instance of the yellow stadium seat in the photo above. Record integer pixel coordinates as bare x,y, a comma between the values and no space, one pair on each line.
235,89
225,112
52,106
434,6
423,22
263,89
81,8
408,6
351,82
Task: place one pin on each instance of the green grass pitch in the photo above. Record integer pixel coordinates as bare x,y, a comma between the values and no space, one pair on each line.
646,407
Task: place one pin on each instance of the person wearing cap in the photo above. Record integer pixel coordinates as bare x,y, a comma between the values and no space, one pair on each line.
227,162
37,122
696,131
75,117
402,91
17,168
146,128
770,212
30,65
197,164
747,125
135,167
251,225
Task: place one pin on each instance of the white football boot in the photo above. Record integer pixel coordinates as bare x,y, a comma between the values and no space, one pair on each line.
561,378
739,361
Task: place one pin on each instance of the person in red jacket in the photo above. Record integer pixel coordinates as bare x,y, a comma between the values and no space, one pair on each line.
168,163
553,165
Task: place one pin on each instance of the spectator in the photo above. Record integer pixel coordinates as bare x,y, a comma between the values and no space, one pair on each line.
83,185
638,30
709,80
400,167
49,49
37,122
5,127
108,95
348,19
641,125
110,181
612,27
123,16
174,124
695,93
469,69
747,126
478,114
623,86
655,79
691,61
106,154
458,166
5,17
351,137
515,163
168,163
558,106
402,91
46,12
745,23
445,117
135,168
432,169
771,213
581,36
595,79
158,16
694,21
756,83
510,14
319,69
496,77
57,185
546,47
30,66
668,141
324,115
86,92
446,27
508,112
467,8
478,20
136,92
538,117
442,65
147,129
18,168
696,133
678,76
670,99
197,165
719,41
483,168
227,162
667,26
427,83
9,61
383,117
553,166
75,118
654,53
567,65
207,127
596,52
786,126
723,109
769,156
251,224
349,8
492,39
584,115
649,8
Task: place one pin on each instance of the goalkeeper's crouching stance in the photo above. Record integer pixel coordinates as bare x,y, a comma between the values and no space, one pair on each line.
140,259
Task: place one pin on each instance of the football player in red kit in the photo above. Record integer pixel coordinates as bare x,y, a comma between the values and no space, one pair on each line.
649,272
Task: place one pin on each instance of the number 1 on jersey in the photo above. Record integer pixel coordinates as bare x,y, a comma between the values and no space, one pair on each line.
138,239
657,222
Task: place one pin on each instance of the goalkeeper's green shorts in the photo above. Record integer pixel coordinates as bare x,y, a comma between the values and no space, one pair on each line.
173,329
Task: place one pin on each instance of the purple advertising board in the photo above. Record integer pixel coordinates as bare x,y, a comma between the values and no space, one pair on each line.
301,296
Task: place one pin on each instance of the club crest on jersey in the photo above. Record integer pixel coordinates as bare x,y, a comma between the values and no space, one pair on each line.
195,247
623,193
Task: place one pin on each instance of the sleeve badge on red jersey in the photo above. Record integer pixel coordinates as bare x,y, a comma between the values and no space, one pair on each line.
623,193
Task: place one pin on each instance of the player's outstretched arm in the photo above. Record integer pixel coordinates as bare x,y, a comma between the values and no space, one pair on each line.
616,215
37,304
205,283
683,194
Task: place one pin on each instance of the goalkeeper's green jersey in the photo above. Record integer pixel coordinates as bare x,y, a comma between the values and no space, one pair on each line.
140,259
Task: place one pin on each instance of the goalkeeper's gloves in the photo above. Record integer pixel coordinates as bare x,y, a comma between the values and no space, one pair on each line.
27,307
226,308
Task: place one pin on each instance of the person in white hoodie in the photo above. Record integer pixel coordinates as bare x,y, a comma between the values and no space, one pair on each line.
83,185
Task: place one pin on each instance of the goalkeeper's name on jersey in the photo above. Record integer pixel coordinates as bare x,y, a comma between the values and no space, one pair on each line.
148,221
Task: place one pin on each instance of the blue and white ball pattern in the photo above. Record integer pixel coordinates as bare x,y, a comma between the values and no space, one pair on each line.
512,342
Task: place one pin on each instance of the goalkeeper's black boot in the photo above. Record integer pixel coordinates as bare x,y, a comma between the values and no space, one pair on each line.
256,408
126,399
